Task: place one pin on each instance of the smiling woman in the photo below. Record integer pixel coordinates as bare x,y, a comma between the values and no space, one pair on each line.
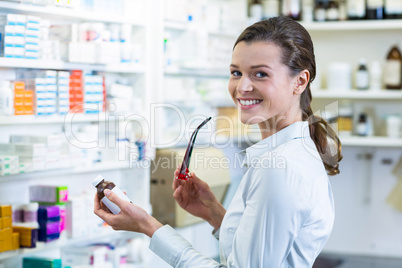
282,213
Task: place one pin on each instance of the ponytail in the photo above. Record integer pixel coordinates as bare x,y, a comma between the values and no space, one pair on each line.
327,142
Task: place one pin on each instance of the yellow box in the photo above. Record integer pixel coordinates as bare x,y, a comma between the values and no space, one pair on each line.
1,224
2,246
7,222
8,239
16,241
5,211
26,233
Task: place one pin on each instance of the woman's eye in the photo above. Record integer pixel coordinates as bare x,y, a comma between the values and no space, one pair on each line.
235,73
261,75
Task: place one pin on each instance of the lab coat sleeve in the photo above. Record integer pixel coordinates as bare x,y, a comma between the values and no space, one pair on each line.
177,251
273,215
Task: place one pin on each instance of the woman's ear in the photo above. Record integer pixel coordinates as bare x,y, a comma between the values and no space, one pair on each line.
301,82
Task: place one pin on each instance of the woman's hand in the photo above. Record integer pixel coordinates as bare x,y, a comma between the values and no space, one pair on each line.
195,197
131,217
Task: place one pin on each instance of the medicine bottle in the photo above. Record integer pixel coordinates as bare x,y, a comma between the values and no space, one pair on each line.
100,185
345,119
362,75
393,69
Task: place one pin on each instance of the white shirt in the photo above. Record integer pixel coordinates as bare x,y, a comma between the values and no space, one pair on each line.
281,215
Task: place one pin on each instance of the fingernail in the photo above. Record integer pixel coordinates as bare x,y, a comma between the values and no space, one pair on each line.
106,192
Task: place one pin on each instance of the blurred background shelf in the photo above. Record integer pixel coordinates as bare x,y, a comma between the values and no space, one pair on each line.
60,65
66,13
367,25
395,95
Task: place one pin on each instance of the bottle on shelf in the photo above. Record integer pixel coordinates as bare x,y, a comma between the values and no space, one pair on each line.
362,125
375,75
6,99
356,9
343,11
375,9
319,11
393,9
292,9
332,12
256,11
393,69
345,119
362,75
270,8
308,10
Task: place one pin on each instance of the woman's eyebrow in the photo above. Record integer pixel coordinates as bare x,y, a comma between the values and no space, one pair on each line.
259,66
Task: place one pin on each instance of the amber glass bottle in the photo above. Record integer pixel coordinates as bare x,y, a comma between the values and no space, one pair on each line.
393,69
100,185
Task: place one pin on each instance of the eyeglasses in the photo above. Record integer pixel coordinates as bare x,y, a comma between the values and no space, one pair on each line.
183,175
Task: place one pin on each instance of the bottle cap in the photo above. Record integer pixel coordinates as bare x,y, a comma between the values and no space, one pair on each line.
362,61
97,180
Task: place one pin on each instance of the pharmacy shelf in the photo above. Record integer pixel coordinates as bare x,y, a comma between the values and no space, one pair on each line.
198,73
353,25
65,13
355,141
183,26
99,167
60,65
395,95
54,119
175,25
107,232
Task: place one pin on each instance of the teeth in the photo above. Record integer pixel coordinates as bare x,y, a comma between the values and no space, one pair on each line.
249,102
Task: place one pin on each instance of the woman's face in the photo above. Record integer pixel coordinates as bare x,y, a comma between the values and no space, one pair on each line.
260,84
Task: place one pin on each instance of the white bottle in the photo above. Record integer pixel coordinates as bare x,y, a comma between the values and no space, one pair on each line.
270,8
100,185
375,75
6,99
362,75
256,11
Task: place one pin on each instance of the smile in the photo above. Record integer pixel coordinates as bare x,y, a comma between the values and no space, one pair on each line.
249,102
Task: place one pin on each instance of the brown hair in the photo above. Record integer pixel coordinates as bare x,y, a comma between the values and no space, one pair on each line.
298,54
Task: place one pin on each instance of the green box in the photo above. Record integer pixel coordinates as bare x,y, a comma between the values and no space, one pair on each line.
32,262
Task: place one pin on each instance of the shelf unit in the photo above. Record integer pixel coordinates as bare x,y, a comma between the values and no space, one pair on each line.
55,12
99,167
60,65
358,25
52,119
142,28
394,95
198,73
61,242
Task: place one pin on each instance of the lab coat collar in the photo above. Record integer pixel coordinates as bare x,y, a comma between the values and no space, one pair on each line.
296,130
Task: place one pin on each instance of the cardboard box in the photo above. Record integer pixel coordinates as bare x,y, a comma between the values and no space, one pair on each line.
6,222
15,241
8,239
208,164
28,236
5,211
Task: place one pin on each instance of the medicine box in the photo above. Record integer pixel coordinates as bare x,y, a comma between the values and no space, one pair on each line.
48,194
5,211
28,236
35,262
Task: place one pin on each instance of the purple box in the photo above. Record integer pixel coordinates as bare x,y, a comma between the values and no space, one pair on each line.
46,213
